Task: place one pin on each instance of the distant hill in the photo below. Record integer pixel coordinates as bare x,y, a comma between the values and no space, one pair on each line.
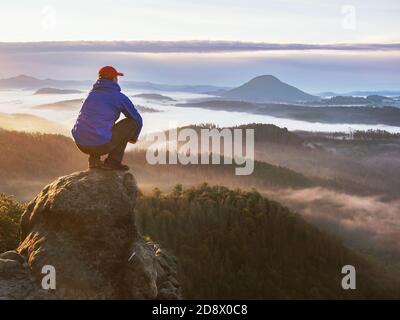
326,114
153,96
272,133
42,166
268,88
386,93
30,123
61,105
33,160
375,98
355,100
327,94
31,83
37,155
56,91
77,103
262,133
21,81
143,109
169,87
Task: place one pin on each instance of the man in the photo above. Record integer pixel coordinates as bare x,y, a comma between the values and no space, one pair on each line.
95,131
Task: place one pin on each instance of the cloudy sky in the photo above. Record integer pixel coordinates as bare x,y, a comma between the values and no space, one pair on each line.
263,27
278,21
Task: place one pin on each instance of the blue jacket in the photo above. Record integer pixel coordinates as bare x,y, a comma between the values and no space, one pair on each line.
100,111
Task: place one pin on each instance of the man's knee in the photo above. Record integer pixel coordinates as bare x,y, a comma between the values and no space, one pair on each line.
132,126
126,123
131,123
127,127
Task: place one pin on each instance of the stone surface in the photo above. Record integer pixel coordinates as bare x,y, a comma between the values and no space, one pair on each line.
16,281
83,225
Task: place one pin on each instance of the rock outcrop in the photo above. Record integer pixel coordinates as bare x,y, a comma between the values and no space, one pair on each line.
82,225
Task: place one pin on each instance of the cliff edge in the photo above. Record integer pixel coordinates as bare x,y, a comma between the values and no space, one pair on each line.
81,229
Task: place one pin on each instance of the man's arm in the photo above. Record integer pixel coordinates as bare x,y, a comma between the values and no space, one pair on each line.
129,110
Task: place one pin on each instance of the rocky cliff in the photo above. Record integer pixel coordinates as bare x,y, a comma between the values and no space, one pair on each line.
81,227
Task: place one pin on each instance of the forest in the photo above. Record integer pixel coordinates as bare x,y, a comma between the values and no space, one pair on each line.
327,185
238,244
10,214
262,132
31,160
235,244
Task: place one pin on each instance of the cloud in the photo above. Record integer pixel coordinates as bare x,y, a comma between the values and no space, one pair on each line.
342,68
366,220
182,46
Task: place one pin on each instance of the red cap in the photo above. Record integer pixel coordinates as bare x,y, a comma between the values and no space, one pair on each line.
109,72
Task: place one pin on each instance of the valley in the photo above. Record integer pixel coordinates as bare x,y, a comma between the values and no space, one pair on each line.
334,168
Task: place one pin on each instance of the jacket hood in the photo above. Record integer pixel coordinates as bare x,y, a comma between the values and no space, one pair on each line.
105,84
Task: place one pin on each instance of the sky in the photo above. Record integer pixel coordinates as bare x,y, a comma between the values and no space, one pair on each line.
44,39
278,21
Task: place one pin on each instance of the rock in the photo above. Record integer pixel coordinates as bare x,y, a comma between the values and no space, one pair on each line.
13,255
16,283
150,272
8,266
142,272
83,226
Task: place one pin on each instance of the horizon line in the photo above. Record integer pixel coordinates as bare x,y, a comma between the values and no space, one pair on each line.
186,46
194,84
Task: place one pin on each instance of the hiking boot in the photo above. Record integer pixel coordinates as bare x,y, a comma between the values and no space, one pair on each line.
95,163
114,166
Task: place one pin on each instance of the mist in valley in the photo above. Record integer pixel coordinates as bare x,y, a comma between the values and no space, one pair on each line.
346,197
346,187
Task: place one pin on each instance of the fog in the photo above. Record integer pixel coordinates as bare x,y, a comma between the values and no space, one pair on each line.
24,101
370,223
366,223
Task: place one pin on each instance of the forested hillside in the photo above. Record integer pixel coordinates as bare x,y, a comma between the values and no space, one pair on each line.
36,155
29,123
10,214
29,161
262,132
272,133
236,244
240,245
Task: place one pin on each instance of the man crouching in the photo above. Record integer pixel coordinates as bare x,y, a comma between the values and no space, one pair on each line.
95,131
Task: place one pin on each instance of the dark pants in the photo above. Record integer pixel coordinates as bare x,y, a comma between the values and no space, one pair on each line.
122,132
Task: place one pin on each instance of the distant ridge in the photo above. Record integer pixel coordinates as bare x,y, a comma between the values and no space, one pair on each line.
30,123
21,81
61,105
268,88
31,83
361,93
56,91
153,96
